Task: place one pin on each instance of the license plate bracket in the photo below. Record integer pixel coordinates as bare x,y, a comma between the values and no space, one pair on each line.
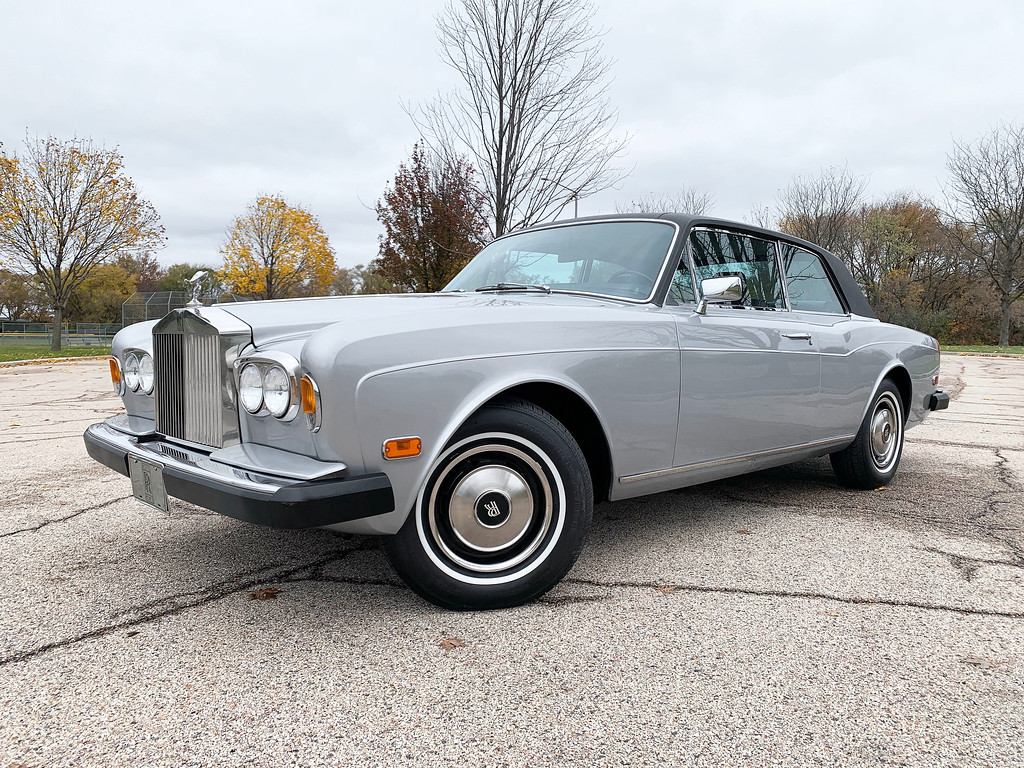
148,482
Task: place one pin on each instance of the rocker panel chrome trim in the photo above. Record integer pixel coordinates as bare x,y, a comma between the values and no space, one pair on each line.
837,442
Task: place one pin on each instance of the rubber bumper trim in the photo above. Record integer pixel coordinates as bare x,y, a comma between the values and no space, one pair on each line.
938,401
308,504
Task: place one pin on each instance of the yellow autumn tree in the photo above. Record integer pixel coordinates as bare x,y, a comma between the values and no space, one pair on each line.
66,207
275,251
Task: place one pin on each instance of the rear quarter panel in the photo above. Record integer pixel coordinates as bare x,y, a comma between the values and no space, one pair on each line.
857,354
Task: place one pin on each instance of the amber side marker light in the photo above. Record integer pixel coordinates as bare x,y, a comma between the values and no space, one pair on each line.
402,448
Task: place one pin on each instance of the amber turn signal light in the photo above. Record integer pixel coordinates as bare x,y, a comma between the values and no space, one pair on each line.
308,394
115,375
402,448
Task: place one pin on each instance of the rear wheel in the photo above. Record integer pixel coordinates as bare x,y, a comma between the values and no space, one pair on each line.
502,515
871,460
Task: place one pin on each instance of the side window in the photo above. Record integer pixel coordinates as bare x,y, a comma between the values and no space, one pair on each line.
810,290
724,254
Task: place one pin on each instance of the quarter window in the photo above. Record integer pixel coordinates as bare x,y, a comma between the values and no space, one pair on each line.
727,254
681,289
810,290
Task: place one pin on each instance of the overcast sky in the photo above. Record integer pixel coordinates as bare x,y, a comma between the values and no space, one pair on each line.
213,103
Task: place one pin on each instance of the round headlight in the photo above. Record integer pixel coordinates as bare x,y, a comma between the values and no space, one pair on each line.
146,374
250,388
131,372
277,391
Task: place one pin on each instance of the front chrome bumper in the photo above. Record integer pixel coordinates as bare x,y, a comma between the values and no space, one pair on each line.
258,484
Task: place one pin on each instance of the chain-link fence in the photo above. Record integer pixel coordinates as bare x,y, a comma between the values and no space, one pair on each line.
142,306
21,333
139,307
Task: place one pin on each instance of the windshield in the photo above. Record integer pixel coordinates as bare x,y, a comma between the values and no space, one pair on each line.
612,258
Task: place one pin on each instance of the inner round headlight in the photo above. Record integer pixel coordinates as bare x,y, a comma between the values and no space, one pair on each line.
146,374
277,391
250,388
131,371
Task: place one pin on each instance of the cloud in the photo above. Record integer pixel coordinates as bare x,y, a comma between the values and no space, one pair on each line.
213,104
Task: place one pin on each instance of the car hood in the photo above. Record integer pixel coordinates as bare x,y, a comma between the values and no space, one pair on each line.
282,320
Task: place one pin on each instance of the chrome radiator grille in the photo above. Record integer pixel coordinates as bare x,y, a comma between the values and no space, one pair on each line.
188,387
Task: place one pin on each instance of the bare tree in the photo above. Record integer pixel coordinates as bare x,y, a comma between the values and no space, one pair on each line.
821,209
686,200
532,114
66,208
986,197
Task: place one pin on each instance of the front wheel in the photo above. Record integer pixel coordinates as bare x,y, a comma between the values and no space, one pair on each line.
502,515
871,460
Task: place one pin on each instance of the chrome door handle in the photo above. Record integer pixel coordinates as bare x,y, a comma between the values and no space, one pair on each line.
798,336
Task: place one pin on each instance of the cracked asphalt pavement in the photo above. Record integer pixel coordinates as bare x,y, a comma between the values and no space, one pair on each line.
772,619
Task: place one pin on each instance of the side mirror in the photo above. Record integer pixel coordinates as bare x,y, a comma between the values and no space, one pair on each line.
720,290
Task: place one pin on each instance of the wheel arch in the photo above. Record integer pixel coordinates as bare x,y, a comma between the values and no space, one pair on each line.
899,376
577,416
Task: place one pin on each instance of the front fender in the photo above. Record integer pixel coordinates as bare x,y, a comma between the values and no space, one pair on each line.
633,393
431,402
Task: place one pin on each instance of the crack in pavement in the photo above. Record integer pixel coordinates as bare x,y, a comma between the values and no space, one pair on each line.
290,574
199,597
969,566
970,446
64,519
313,572
1006,477
849,600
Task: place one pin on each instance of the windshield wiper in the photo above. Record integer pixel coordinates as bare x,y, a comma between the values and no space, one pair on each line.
514,287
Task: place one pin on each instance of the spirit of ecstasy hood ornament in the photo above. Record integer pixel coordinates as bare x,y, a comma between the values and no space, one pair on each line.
196,281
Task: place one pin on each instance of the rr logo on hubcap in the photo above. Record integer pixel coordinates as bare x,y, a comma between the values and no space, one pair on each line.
493,509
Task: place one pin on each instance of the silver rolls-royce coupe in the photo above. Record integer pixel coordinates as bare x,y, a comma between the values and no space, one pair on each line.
588,360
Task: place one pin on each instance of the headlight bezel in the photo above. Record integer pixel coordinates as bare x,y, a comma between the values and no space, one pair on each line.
277,391
147,374
266,363
138,373
253,406
130,370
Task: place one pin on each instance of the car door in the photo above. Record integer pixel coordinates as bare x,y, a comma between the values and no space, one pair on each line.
750,380
846,384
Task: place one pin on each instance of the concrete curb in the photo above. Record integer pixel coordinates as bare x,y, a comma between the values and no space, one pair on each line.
52,360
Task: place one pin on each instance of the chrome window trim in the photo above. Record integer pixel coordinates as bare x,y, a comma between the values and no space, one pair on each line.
828,276
741,233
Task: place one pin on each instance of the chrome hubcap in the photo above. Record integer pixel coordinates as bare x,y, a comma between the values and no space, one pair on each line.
490,508
886,431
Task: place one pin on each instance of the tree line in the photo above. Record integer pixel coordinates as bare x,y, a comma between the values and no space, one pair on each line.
529,132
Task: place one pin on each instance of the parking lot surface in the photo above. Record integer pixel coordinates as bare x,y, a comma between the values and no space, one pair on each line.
772,619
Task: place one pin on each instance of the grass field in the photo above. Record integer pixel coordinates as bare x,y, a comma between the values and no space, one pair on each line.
43,351
984,349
